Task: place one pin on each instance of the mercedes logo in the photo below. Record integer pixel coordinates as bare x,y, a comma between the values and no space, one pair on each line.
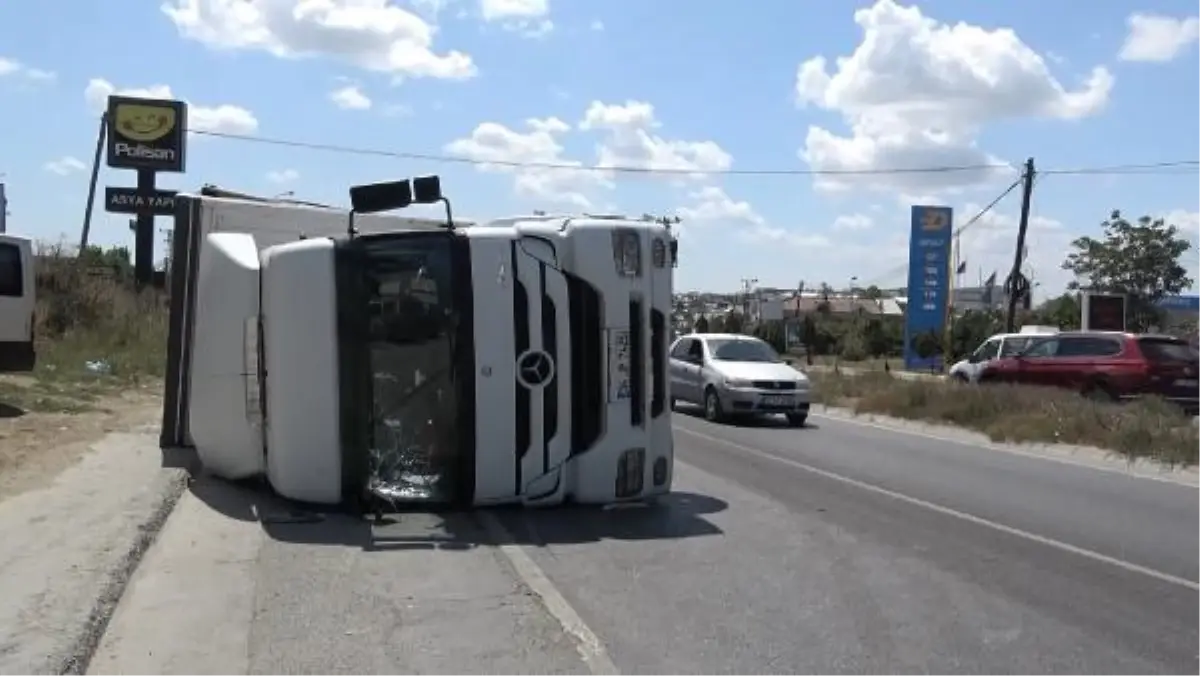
534,369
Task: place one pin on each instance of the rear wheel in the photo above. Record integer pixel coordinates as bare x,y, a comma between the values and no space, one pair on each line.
712,406
797,419
960,378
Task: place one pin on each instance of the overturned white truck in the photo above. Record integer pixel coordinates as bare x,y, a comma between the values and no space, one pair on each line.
345,356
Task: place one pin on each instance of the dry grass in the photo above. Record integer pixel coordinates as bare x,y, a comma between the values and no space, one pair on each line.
1150,428
50,417
88,316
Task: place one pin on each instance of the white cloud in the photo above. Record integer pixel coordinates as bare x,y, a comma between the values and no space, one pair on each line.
766,234
225,118
14,68
990,243
492,142
596,25
852,222
528,18
374,35
493,10
1153,37
283,176
350,97
1187,221
916,93
713,204
626,141
65,166
629,141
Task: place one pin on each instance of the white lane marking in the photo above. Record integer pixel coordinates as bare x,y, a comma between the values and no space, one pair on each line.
1040,539
586,642
1132,473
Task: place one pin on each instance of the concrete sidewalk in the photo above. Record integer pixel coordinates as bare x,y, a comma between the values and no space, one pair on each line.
237,584
67,550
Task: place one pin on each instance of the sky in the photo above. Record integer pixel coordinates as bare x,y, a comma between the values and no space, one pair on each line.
773,133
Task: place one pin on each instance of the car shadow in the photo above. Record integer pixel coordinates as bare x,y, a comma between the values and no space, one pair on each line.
673,516
769,421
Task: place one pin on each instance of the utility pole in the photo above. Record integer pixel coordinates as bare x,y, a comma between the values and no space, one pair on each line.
1017,286
3,209
747,284
91,198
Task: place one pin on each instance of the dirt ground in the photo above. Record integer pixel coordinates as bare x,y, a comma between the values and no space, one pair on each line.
37,442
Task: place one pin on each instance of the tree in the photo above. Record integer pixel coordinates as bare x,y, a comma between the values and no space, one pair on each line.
701,325
823,306
732,323
1062,312
1139,259
872,293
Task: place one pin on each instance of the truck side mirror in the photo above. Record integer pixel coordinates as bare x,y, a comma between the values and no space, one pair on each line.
426,190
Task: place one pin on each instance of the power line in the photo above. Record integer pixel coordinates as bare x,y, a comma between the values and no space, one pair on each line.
1187,166
982,212
1154,168
449,159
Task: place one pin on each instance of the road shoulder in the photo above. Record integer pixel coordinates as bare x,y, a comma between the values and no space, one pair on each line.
69,548
275,590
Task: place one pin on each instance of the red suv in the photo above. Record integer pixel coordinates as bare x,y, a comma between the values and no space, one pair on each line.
1104,364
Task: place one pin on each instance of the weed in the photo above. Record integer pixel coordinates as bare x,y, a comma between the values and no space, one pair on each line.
1149,428
95,334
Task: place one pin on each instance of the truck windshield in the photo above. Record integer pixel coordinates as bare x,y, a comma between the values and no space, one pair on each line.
412,323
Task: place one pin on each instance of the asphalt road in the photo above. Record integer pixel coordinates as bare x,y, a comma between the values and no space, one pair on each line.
840,548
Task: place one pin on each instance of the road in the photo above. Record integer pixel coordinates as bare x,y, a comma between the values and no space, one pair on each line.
839,548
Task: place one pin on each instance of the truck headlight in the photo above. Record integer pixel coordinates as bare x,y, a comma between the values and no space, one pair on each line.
627,252
658,253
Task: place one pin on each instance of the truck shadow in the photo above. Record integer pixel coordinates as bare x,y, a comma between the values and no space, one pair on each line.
677,515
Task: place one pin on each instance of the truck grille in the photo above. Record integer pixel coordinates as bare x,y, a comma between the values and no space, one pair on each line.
587,364
637,363
658,363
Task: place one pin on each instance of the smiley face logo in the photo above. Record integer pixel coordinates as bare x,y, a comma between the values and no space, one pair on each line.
933,219
144,123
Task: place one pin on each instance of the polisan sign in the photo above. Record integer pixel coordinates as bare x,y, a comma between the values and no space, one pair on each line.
147,134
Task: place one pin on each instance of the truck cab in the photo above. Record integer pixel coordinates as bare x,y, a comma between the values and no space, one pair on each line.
517,361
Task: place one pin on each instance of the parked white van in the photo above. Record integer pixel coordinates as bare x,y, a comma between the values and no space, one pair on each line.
17,299
999,345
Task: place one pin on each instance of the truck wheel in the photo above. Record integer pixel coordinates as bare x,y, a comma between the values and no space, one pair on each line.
712,406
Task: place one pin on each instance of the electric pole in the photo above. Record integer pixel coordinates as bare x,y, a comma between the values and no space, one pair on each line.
747,284
1017,286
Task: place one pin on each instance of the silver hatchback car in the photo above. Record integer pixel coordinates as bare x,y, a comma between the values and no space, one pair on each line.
733,375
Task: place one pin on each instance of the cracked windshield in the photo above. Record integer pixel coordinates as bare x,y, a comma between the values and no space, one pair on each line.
412,452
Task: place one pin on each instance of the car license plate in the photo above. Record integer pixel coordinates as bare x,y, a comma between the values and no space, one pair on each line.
777,400
619,365
1188,382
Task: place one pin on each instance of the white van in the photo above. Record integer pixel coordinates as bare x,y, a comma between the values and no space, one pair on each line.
16,304
999,345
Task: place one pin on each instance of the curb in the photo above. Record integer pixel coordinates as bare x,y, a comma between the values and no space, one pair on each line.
83,644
